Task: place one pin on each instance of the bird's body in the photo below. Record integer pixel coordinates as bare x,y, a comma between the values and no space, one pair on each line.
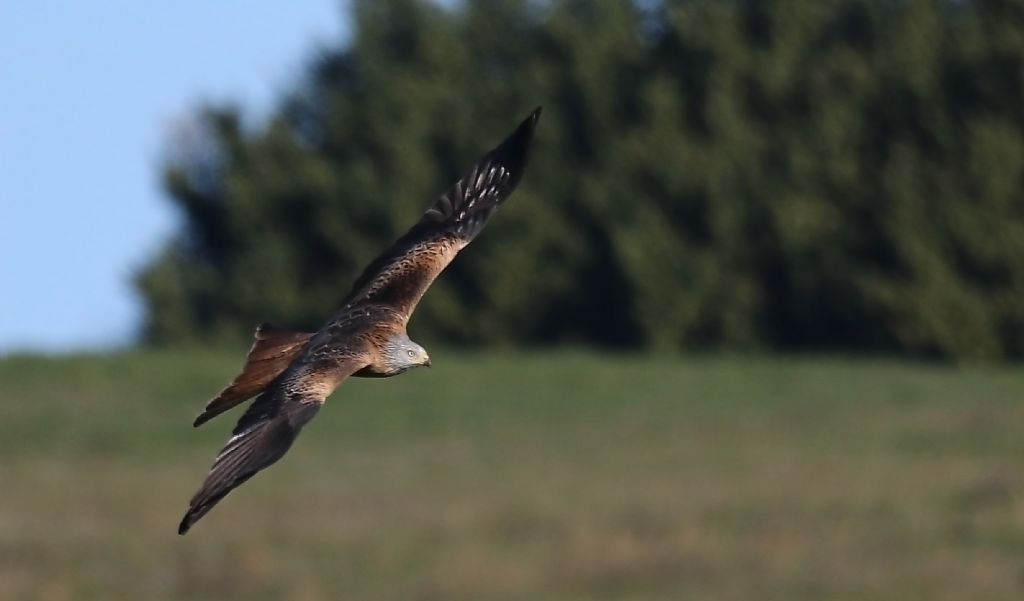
294,372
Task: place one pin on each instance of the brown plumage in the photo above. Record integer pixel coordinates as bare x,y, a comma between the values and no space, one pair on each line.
271,352
294,372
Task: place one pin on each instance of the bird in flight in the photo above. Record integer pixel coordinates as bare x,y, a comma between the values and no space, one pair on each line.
294,372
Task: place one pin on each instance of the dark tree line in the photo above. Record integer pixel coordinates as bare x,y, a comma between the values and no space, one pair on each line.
837,175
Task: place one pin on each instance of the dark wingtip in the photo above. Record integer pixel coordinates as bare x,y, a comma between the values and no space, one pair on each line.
185,524
524,133
513,151
197,509
201,419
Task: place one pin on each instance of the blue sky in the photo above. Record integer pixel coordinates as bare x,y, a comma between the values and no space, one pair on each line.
88,94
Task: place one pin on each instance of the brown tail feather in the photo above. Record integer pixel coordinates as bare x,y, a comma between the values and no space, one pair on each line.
271,353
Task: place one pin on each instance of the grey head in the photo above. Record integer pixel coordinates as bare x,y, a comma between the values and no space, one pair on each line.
401,354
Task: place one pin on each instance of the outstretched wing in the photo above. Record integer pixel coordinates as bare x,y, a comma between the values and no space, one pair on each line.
399,277
267,429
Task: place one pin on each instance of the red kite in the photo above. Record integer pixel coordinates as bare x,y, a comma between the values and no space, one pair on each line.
294,372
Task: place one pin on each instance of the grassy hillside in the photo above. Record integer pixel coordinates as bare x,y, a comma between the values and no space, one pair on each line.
539,477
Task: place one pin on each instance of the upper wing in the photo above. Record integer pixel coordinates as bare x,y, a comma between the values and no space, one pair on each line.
399,277
268,428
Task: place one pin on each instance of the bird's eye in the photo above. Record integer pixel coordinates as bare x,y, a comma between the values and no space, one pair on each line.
411,353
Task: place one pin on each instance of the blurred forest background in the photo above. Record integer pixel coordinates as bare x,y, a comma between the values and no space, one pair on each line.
760,179
839,175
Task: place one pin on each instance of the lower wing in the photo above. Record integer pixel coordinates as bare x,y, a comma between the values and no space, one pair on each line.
266,431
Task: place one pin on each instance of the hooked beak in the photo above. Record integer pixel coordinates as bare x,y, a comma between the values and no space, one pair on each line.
427,362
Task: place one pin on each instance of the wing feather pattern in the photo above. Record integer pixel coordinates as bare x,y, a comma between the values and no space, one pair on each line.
401,275
267,430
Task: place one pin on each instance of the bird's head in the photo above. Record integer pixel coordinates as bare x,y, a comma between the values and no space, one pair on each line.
402,354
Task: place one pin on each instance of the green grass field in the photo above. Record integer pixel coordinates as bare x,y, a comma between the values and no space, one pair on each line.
532,477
